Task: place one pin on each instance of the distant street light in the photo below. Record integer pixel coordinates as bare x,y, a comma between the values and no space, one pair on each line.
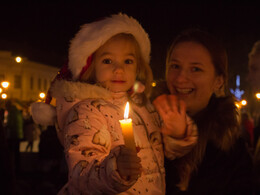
42,95
153,84
257,95
1,90
5,84
237,105
18,59
243,102
4,96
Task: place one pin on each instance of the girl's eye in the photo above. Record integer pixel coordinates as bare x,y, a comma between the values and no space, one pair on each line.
107,61
129,61
196,69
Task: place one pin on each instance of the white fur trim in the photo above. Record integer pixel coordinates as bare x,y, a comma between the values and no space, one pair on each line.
93,35
43,114
79,90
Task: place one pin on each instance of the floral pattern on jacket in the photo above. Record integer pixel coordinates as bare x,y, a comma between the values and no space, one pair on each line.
92,132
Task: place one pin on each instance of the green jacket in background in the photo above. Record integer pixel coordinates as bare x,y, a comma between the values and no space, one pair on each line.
14,125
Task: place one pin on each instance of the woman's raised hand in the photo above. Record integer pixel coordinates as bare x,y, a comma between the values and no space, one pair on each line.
173,113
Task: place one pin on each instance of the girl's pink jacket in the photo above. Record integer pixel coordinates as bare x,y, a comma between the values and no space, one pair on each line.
88,120
89,129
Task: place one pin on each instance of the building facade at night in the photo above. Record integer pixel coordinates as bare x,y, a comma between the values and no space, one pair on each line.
27,78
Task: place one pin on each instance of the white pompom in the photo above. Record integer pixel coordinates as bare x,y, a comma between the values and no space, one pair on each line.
138,87
43,114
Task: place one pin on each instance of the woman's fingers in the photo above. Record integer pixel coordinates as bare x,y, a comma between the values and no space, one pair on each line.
165,104
173,103
162,105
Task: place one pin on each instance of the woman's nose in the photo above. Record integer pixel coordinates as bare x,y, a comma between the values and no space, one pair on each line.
182,76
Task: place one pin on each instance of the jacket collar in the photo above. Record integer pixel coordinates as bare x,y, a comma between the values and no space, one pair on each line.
78,90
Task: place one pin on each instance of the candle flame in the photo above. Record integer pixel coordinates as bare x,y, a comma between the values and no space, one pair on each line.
126,111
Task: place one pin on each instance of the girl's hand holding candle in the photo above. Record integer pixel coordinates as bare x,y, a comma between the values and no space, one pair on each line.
127,129
128,164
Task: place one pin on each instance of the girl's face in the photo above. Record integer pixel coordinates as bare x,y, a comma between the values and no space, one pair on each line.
116,64
191,75
254,71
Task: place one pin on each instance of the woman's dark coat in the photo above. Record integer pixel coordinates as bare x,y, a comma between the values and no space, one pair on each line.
221,162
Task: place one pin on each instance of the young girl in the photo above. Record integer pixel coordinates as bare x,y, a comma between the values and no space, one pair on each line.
109,66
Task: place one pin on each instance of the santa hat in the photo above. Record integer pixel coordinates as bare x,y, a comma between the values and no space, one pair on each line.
90,37
93,35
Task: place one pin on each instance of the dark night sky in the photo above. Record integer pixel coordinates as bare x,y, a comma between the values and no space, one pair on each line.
42,31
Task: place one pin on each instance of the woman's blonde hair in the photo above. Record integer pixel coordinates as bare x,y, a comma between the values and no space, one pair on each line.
143,74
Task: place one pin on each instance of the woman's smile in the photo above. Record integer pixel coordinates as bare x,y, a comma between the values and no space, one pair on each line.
184,90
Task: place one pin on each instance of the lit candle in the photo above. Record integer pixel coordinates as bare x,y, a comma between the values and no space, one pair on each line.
127,129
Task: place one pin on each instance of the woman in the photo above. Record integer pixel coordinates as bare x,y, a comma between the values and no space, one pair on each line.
247,127
254,66
254,80
196,74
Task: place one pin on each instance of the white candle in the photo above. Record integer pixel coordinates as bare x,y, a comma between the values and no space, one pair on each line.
127,129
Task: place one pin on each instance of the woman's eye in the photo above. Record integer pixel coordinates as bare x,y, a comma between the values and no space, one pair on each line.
107,61
196,69
129,61
174,66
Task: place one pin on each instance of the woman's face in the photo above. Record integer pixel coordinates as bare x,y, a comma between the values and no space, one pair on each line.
116,64
254,71
191,75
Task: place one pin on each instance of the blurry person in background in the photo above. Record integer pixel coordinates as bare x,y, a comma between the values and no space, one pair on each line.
247,126
254,80
254,67
14,132
6,167
31,133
